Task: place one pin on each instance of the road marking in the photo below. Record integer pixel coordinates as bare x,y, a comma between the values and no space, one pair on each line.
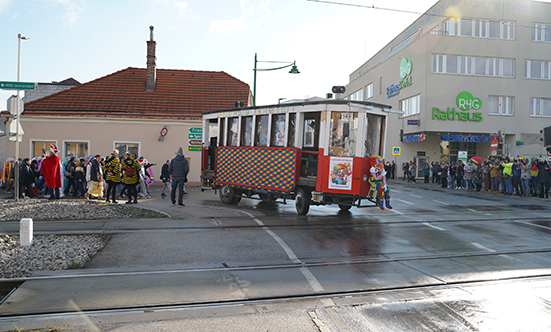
478,245
530,224
473,210
406,202
435,227
439,202
415,196
314,283
394,210
488,214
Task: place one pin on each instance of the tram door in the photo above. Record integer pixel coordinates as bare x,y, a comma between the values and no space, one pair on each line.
310,144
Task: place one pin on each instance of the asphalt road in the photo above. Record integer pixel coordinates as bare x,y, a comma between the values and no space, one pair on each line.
440,260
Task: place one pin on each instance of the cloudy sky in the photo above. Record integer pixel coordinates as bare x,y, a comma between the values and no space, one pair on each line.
88,39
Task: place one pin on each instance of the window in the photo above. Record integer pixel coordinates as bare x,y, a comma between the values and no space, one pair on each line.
537,69
76,149
125,147
500,105
41,147
369,91
374,135
467,65
232,132
261,137
480,28
358,95
278,130
411,105
292,128
344,126
540,106
541,32
247,131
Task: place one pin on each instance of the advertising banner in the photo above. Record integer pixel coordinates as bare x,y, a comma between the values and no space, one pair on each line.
340,173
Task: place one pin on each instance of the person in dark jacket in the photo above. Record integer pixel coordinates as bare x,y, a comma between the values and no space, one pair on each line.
131,169
96,177
178,169
165,177
26,179
543,178
112,175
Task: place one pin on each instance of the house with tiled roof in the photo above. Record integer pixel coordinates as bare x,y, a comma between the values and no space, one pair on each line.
148,111
49,88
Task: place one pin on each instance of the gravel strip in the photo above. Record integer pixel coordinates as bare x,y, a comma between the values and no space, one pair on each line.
57,252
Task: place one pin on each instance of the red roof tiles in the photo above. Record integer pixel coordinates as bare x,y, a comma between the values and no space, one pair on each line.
178,94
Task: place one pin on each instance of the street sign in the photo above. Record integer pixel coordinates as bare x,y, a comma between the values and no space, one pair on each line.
195,142
196,130
12,131
194,148
396,150
11,105
195,136
18,86
414,122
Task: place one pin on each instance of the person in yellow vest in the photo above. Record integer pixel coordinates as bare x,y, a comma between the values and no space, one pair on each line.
131,169
112,175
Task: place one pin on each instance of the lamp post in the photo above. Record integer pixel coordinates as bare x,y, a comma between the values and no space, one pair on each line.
294,70
17,115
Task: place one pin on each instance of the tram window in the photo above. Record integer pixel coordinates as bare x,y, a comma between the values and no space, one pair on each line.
373,135
278,130
344,126
261,138
292,128
232,132
221,132
309,132
247,131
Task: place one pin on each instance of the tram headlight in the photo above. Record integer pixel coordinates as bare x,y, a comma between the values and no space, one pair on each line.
365,177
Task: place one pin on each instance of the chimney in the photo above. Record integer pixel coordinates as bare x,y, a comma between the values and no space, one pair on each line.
151,66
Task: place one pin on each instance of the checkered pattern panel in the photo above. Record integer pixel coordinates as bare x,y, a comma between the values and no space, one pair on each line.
263,168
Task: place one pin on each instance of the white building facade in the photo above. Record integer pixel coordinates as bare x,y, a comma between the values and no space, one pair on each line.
472,77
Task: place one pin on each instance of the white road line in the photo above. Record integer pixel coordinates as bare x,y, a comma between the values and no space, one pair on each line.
401,200
415,196
472,210
478,245
439,202
535,225
394,210
314,283
435,227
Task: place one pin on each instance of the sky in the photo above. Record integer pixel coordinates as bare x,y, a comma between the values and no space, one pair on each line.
89,39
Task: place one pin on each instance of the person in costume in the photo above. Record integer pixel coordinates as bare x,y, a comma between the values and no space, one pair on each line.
378,182
112,175
51,168
131,169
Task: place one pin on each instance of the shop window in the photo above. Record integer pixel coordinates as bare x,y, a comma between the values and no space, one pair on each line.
232,139
278,130
41,148
125,147
261,138
247,131
76,149
344,127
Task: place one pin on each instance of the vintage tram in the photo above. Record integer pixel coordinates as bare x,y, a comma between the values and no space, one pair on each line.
315,152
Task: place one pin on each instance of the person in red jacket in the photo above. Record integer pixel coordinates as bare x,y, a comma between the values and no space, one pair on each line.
51,168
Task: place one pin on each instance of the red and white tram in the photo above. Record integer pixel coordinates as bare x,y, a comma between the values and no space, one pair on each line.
314,152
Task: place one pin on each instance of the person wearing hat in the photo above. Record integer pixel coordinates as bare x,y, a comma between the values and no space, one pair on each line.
178,169
165,177
112,175
51,168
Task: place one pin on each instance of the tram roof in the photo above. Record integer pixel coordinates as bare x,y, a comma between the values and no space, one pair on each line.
306,103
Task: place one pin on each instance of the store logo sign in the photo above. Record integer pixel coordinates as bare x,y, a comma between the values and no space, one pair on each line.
465,102
406,67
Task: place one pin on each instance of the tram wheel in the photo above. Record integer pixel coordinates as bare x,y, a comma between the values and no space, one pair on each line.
227,195
344,207
302,201
236,199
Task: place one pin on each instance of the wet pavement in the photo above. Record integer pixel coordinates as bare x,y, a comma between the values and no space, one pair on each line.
442,259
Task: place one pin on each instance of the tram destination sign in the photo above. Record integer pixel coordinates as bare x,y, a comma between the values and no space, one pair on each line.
17,85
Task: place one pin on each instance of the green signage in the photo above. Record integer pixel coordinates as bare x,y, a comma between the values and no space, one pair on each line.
465,101
195,136
194,148
196,130
17,86
405,68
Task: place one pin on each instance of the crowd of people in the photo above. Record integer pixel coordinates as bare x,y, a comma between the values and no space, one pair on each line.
95,177
520,176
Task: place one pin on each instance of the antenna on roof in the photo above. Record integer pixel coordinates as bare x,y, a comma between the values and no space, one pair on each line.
151,33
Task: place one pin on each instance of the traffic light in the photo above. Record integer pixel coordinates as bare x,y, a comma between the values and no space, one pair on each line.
546,136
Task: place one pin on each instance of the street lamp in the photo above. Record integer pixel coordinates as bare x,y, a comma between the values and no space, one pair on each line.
17,115
294,70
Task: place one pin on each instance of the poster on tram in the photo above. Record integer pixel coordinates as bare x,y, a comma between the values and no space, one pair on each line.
340,175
